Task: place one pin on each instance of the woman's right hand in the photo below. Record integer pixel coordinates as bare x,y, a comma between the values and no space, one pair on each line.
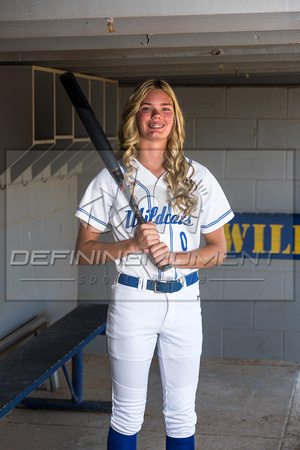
146,235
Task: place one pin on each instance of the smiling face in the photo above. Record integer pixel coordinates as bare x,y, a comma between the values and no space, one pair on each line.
155,117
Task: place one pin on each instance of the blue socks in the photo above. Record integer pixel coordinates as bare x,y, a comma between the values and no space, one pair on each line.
118,441
180,443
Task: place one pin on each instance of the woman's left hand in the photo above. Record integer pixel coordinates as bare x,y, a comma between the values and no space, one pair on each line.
160,253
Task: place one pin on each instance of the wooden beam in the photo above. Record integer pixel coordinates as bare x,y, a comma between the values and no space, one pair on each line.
70,9
115,42
173,68
21,29
130,57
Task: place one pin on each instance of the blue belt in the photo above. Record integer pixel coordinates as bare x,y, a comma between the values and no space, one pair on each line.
159,286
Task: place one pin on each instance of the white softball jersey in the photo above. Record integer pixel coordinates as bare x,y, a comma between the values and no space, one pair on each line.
104,206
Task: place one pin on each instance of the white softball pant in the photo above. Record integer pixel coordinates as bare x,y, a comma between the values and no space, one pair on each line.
138,320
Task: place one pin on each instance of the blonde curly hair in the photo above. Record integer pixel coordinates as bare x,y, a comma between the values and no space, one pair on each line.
181,188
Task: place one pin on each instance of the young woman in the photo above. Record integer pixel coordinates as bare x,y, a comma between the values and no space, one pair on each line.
180,200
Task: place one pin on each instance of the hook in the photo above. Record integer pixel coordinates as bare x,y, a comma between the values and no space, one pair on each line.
2,187
44,180
148,39
24,182
61,176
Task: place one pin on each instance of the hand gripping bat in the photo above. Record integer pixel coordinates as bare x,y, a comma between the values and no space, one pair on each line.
100,141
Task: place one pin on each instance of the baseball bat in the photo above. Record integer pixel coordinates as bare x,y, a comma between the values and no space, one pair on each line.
100,141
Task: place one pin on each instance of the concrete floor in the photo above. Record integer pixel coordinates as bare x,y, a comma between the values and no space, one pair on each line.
240,405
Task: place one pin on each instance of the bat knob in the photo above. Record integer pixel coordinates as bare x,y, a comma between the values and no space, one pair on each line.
166,267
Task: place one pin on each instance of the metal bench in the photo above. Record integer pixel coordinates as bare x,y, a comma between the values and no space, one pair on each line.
23,370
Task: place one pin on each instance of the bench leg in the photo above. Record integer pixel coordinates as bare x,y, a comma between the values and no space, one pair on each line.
77,375
76,385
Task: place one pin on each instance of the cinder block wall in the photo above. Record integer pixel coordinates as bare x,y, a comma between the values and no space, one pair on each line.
37,230
249,139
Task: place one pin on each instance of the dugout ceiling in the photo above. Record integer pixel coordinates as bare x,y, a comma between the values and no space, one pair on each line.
191,42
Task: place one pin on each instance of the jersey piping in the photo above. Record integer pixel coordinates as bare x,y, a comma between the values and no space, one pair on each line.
92,217
216,221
